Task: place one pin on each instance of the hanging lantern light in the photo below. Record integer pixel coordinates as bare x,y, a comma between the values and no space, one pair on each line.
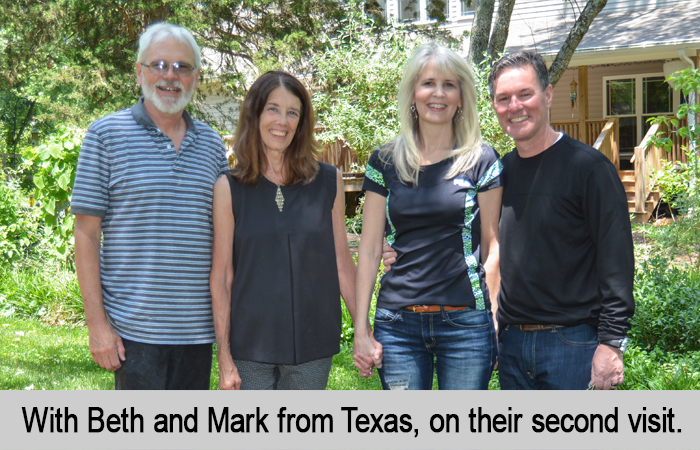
573,96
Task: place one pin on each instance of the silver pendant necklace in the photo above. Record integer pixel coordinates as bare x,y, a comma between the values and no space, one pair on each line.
279,198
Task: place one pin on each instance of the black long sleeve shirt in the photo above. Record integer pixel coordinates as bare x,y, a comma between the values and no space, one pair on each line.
566,249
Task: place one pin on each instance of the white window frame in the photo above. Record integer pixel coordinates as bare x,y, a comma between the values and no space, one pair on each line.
638,97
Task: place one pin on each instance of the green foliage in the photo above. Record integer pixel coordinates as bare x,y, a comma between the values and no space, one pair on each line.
656,370
54,165
41,289
358,76
19,227
72,61
357,79
491,131
667,315
687,81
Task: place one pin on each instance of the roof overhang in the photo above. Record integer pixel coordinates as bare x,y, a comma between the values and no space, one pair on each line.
622,32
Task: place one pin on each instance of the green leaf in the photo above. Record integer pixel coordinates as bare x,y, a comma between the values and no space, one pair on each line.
63,181
55,150
50,207
39,181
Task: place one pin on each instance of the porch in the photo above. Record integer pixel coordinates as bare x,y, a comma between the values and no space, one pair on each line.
604,136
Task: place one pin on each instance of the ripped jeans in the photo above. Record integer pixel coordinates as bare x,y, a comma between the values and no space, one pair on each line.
461,345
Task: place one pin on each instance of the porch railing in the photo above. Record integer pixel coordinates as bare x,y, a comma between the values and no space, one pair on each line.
646,157
573,129
570,127
678,143
608,140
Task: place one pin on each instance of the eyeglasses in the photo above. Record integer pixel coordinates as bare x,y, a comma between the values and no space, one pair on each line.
161,68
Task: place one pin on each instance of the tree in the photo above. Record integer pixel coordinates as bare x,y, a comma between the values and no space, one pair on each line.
73,60
492,47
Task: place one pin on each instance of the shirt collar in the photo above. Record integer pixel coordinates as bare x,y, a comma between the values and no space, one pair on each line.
142,118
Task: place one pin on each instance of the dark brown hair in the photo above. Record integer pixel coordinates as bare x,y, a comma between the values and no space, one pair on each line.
299,158
518,60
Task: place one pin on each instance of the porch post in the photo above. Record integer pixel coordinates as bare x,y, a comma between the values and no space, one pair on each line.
583,103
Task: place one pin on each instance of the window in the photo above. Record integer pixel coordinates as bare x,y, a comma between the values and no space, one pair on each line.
408,10
467,7
623,97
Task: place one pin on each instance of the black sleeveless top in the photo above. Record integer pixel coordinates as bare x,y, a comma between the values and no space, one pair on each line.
285,298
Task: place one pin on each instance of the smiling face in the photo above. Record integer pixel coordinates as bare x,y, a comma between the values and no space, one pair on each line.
279,119
168,93
521,105
436,96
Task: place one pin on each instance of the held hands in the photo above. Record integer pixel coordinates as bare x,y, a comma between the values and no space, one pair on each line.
607,370
366,353
106,347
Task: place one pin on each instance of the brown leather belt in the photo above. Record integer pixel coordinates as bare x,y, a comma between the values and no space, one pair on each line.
537,327
434,308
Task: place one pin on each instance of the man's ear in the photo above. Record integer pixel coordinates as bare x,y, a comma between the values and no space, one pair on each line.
139,74
548,95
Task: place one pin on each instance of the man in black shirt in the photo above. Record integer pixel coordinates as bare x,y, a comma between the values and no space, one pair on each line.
566,252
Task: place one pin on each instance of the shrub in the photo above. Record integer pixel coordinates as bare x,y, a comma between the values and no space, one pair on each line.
54,165
667,316
18,223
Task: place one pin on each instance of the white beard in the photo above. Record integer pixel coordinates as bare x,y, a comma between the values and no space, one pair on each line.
167,106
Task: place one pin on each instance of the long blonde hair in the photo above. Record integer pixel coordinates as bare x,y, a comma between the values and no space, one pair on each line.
468,150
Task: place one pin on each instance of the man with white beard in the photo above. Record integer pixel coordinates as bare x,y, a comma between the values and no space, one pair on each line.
144,185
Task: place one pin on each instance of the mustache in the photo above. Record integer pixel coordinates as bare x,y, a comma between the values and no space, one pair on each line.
173,83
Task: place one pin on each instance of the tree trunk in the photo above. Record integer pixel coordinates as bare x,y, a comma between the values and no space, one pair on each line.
25,122
478,42
561,62
499,36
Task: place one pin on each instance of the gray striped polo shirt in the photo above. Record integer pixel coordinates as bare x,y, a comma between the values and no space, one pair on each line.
155,206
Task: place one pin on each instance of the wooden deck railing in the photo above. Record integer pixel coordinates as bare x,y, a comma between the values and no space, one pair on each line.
646,157
677,152
570,127
593,130
573,129
608,140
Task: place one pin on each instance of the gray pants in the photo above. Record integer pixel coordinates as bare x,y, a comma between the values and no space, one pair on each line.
312,375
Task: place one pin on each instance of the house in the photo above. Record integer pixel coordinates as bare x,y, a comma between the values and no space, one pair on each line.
616,78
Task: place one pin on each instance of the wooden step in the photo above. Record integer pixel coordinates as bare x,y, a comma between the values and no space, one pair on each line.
629,185
626,175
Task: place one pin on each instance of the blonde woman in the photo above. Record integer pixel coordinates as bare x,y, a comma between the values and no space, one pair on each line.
435,195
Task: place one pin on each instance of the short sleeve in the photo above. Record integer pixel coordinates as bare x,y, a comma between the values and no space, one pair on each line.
488,170
91,188
223,162
374,176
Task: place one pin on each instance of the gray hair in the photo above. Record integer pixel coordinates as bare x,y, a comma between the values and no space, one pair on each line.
518,60
159,32
465,127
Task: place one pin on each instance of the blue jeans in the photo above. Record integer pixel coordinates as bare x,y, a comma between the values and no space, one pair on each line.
460,344
557,358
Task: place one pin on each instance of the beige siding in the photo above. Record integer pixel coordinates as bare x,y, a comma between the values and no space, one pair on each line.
561,105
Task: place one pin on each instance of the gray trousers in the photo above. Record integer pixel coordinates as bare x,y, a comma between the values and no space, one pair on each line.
312,375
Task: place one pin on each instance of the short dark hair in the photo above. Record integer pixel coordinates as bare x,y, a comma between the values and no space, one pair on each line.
518,60
299,158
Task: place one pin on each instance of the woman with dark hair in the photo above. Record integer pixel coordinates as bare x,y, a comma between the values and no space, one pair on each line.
435,194
279,228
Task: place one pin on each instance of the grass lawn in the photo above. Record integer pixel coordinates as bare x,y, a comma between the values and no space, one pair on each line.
38,356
